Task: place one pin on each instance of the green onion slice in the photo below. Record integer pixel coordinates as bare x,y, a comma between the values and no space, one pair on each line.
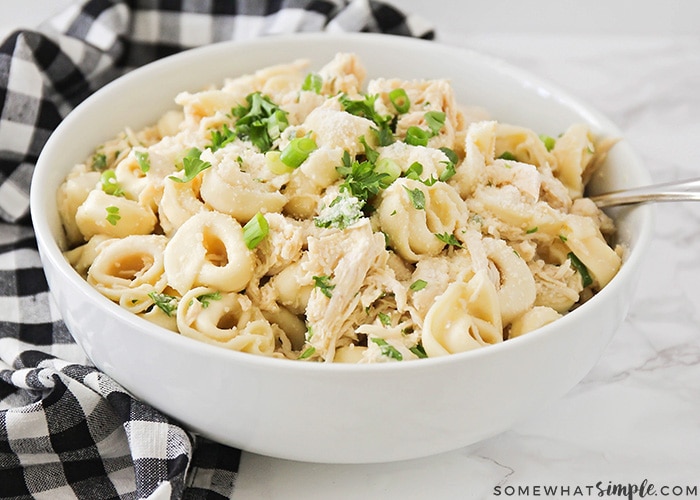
297,151
109,183
416,136
313,83
255,230
400,100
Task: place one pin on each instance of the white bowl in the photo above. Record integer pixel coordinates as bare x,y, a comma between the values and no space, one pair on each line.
322,412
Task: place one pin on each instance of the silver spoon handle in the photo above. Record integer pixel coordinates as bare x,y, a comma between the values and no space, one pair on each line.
688,190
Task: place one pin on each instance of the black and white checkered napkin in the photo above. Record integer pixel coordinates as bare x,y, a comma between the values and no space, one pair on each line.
66,429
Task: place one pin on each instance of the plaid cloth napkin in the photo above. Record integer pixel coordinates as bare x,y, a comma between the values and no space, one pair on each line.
66,429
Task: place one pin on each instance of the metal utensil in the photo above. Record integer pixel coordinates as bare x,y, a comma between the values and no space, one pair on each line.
670,191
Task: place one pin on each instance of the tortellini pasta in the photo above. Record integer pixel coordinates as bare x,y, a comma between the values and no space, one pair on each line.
290,213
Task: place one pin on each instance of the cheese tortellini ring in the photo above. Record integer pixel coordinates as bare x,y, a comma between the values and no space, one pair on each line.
524,144
586,242
307,182
465,317
179,202
239,195
131,177
225,319
128,216
515,287
209,250
291,288
411,230
480,146
349,354
533,319
333,129
573,151
73,193
126,270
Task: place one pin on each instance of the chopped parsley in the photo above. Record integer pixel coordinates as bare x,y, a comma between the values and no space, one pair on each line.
586,279
417,198
164,302
384,318
532,230
418,285
193,166
323,283
386,124
343,211
414,171
261,121
452,160
99,161
418,351
449,239
220,138
387,349
563,238
143,160
113,215
361,179
364,108
312,83
204,299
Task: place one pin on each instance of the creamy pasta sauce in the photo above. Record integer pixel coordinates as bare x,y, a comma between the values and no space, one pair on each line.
313,215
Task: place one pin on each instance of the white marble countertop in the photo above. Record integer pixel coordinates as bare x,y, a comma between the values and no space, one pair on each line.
635,418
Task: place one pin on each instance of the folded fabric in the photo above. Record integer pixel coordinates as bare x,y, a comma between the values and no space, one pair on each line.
66,429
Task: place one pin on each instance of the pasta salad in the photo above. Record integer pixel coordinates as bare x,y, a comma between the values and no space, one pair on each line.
317,216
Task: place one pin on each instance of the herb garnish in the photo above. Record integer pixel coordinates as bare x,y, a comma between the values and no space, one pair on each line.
549,142
385,319
418,351
109,183
323,283
387,349
418,285
361,179
220,138
99,161
113,215
313,83
417,198
449,239
164,302
261,121
308,352
386,125
586,279
193,166
343,211
453,159
255,230
205,298
143,160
